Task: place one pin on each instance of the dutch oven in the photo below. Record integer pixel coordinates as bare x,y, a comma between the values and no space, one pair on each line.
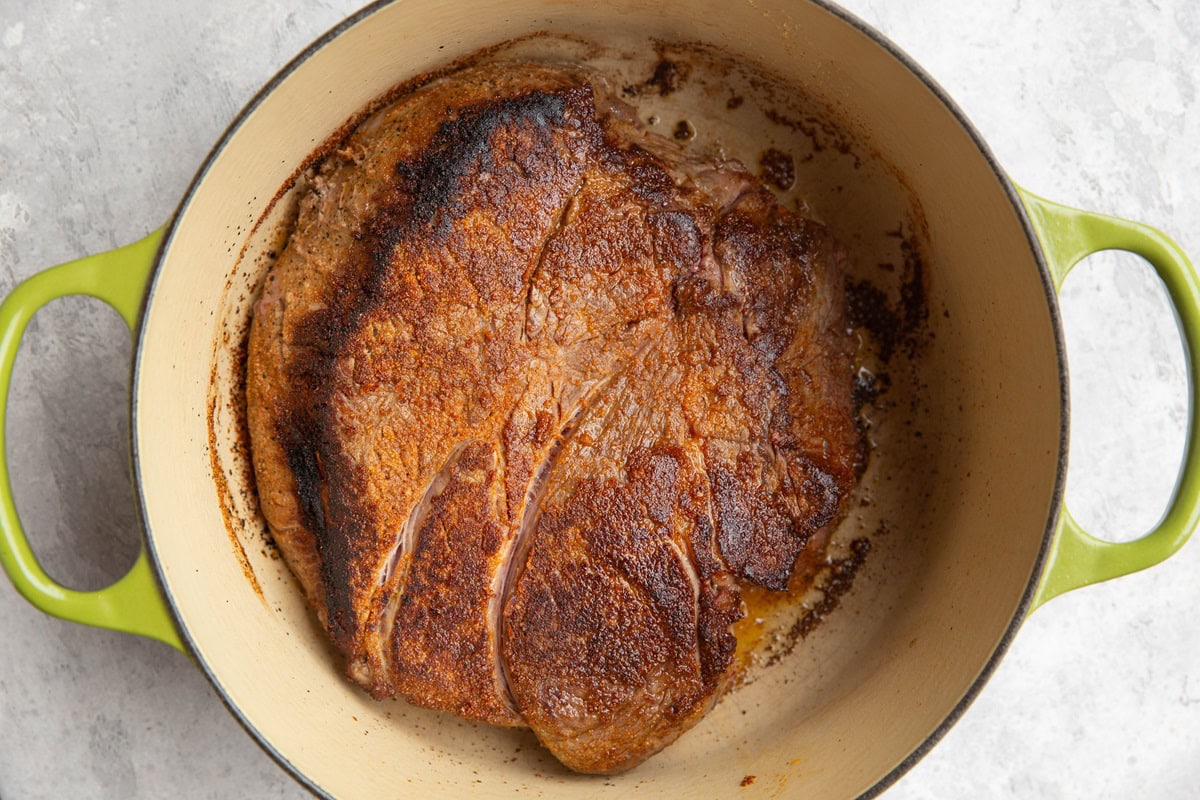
987,538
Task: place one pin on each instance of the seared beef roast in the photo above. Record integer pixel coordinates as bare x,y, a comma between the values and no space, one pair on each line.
531,394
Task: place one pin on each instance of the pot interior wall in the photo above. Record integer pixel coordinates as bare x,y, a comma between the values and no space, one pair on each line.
956,501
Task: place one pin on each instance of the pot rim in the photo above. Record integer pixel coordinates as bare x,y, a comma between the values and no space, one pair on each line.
1035,244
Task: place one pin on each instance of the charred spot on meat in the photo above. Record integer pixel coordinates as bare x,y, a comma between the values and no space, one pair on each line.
531,395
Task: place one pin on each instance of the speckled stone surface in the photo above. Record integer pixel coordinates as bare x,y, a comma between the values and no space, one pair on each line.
107,109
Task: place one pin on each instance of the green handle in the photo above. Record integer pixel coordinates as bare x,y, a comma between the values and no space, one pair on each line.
1068,235
134,603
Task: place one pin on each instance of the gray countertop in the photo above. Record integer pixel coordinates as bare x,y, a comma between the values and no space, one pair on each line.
107,109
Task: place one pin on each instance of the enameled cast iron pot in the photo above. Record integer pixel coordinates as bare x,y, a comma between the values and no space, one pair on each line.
859,701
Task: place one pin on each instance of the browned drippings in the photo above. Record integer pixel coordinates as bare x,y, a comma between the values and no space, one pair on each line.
841,578
233,522
683,131
667,78
898,324
777,168
820,582
871,311
822,133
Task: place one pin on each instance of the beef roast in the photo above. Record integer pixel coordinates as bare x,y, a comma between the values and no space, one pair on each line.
531,394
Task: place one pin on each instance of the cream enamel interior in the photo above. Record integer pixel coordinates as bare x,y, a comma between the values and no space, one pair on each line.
939,591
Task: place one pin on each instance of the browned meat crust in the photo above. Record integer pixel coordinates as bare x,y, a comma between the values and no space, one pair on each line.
530,393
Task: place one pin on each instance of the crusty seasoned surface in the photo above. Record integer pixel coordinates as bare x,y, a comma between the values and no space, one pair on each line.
531,394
